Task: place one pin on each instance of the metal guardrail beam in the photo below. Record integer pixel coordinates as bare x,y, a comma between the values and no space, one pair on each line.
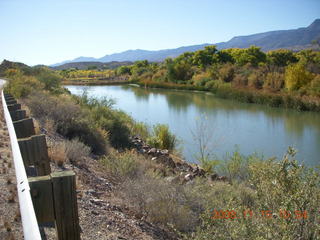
28,217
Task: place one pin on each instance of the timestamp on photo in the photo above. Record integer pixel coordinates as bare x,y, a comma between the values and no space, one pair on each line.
266,214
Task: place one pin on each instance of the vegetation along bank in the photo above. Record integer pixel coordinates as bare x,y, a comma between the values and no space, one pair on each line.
278,78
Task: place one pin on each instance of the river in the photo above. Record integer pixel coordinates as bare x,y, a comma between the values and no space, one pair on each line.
230,125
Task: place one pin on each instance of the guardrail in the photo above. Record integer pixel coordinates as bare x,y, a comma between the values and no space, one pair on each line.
28,216
44,197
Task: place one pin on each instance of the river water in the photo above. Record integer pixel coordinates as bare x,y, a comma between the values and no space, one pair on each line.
229,124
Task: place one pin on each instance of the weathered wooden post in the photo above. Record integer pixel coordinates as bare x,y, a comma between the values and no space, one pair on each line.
54,199
34,151
18,115
14,107
65,205
11,101
42,198
24,128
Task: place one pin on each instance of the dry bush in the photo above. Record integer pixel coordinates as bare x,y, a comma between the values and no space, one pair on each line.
63,115
57,153
50,126
73,151
76,150
240,80
163,202
131,165
122,165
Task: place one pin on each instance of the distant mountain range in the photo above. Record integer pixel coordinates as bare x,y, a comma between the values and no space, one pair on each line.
294,39
85,65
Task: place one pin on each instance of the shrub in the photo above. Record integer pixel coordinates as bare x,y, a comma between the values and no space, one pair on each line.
162,138
140,129
122,166
280,194
315,86
297,76
114,122
255,80
69,119
200,79
50,79
76,150
274,81
163,202
226,72
63,151
20,85
240,80
57,153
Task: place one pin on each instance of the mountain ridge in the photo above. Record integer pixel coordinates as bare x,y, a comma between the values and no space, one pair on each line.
299,38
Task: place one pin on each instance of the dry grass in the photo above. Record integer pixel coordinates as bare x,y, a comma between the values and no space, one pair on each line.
76,151
73,151
162,202
36,126
57,153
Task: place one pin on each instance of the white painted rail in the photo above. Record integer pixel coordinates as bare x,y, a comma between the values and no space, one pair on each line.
28,217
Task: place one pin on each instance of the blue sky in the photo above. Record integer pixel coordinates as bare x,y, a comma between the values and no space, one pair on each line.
50,31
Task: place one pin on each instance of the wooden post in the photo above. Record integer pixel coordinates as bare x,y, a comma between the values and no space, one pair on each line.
18,115
26,149
65,205
11,101
41,193
34,151
14,107
8,97
41,161
24,128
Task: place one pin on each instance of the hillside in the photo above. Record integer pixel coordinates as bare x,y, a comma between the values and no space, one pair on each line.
295,39
84,65
290,39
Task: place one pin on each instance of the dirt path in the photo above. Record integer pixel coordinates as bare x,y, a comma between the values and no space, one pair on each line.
10,222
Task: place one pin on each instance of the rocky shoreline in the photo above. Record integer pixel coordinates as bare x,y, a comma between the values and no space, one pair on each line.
185,171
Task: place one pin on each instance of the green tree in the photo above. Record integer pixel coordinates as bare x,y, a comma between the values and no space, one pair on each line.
124,70
206,57
281,57
252,55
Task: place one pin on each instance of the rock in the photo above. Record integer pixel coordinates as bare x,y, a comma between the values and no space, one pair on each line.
168,161
170,179
214,176
94,212
188,177
146,146
97,202
152,151
222,178
164,152
154,159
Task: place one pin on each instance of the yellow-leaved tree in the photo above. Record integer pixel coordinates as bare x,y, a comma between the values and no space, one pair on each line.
297,76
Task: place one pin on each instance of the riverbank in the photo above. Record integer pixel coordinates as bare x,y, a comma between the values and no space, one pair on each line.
279,100
89,82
